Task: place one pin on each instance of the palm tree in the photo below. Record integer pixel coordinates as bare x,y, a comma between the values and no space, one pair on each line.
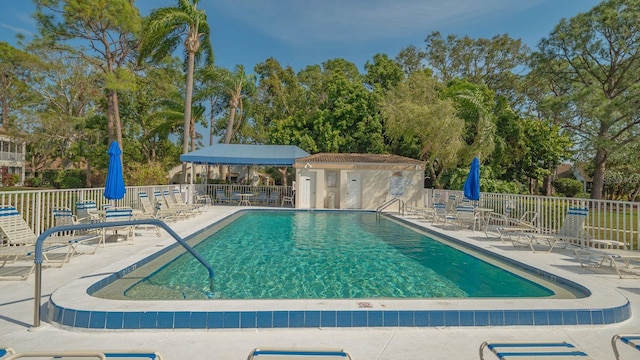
164,31
237,86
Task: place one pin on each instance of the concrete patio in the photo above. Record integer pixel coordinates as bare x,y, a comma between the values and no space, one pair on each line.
17,313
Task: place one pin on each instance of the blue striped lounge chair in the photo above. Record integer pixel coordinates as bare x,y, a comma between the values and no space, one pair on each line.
532,350
274,197
441,213
261,198
84,209
633,340
221,196
571,232
115,214
465,216
23,239
63,216
86,354
298,354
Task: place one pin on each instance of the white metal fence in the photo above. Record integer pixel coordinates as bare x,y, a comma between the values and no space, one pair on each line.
36,205
610,220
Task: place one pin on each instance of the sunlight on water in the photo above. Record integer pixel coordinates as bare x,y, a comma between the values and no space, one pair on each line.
329,255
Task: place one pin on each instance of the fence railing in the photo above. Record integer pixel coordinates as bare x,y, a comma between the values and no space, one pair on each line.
36,205
610,220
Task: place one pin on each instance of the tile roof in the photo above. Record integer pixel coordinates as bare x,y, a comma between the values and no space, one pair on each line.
359,158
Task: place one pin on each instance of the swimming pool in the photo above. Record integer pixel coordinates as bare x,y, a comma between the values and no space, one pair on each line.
329,255
74,306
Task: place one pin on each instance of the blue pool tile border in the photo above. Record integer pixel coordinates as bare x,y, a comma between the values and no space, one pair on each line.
119,320
130,320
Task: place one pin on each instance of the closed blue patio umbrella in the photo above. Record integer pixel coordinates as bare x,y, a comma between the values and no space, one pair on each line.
472,184
114,186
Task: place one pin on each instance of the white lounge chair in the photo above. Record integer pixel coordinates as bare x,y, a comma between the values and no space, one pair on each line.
157,211
87,354
571,232
19,235
633,340
595,258
63,216
16,263
297,354
517,227
187,209
177,200
509,350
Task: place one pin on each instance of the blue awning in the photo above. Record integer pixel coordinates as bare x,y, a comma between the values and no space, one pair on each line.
242,154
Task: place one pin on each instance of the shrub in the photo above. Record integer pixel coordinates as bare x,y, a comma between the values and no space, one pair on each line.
568,187
10,179
141,174
33,182
70,179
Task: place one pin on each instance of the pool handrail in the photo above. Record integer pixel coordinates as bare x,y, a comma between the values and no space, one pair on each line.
53,230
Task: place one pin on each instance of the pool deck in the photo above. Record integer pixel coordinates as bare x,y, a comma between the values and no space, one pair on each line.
441,342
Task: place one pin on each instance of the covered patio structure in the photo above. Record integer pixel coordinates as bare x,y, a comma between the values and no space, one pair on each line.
244,155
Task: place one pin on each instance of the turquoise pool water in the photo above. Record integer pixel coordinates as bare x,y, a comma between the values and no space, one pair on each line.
329,255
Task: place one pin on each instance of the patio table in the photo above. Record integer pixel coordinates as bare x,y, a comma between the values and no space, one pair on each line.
244,199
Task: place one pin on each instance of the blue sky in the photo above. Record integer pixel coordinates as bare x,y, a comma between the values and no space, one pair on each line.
301,32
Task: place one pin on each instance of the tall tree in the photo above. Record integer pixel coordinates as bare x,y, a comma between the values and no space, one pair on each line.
383,73
163,32
493,62
109,28
15,67
237,86
411,59
475,104
279,96
68,96
414,110
592,64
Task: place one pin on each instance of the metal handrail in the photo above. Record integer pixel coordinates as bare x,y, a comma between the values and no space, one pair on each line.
39,258
391,202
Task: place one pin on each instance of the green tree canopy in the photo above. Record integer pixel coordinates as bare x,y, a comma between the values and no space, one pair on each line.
593,63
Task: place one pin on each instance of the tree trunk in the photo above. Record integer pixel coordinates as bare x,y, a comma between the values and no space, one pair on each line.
283,172
117,126
598,174
6,82
88,174
212,121
548,185
187,110
229,131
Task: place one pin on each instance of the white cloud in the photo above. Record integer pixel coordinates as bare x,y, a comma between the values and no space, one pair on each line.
16,29
299,21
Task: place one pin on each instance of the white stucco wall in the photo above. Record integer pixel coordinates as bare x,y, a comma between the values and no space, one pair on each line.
374,186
